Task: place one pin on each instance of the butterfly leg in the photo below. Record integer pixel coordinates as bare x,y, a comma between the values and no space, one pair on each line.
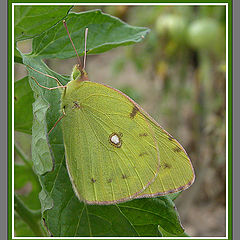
47,87
46,75
55,124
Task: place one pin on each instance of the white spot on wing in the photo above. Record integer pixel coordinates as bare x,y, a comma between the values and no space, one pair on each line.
115,139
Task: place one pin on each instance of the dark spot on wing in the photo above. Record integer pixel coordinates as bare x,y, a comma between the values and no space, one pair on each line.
109,180
93,180
166,165
177,149
76,105
124,176
170,138
143,134
134,112
142,154
15,98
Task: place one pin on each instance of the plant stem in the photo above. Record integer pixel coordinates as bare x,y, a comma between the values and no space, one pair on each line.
28,162
22,155
31,218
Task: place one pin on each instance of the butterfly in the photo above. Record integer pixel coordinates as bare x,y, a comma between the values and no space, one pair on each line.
115,151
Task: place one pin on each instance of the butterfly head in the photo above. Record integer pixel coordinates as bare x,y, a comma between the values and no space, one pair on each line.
79,74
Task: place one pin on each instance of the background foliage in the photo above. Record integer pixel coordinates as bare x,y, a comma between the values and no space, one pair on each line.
177,74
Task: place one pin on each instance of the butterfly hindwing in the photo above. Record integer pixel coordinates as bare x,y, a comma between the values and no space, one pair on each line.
176,172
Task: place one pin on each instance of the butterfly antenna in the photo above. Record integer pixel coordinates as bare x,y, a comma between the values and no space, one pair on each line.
79,60
85,49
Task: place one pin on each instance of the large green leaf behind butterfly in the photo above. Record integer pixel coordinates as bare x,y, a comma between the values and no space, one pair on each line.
114,150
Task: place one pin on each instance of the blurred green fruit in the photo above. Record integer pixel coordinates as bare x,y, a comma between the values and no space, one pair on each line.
207,34
172,25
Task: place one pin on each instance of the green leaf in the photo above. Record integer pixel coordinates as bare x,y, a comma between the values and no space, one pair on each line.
70,217
42,156
152,211
23,100
24,175
21,228
29,21
55,43
174,196
165,233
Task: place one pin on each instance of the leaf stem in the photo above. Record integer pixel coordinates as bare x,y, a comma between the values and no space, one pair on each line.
31,218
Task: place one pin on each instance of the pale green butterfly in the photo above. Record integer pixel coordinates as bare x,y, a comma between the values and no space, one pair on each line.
114,150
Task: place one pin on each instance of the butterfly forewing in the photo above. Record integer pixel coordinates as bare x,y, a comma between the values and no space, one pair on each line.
111,149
